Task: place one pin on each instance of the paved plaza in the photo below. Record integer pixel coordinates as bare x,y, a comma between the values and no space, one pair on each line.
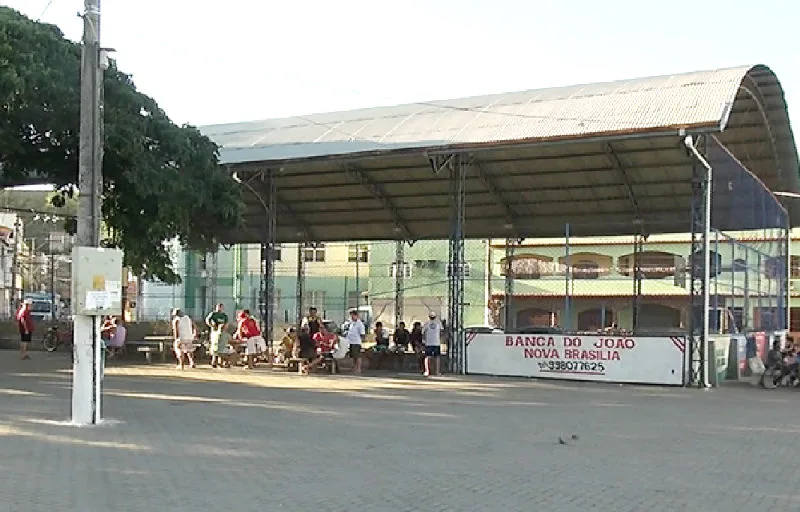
232,440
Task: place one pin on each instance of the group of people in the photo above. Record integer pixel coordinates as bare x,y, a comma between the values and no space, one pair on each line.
223,343
314,343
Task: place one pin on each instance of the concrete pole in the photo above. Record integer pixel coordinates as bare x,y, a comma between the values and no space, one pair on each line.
88,350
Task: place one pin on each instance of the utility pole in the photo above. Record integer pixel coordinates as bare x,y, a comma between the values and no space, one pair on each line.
15,265
87,371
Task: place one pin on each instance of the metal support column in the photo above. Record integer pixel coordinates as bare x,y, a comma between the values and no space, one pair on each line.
399,280
638,249
700,266
508,296
301,281
267,288
786,274
456,341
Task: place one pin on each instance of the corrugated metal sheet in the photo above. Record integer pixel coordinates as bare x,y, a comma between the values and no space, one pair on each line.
508,137
691,99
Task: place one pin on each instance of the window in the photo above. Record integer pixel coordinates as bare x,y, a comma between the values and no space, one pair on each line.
406,270
585,270
276,252
795,267
526,267
464,266
358,253
314,254
314,299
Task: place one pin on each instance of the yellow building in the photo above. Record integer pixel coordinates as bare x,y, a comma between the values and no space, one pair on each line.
599,290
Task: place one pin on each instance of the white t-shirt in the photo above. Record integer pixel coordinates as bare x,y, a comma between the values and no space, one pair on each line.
431,333
355,332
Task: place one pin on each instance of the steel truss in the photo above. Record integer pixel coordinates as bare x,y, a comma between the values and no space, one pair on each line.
638,248
399,281
456,339
301,282
508,296
268,247
698,310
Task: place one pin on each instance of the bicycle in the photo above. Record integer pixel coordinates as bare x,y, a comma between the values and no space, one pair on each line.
54,338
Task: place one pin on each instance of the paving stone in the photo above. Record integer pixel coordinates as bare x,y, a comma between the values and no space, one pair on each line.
208,439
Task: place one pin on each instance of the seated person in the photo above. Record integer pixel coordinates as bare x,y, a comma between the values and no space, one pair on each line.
326,344
286,348
222,353
305,350
401,337
118,335
381,337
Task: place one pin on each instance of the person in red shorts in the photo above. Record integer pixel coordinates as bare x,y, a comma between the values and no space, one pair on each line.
250,335
326,343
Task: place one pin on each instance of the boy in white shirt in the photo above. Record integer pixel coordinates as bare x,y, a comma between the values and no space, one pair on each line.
354,337
431,334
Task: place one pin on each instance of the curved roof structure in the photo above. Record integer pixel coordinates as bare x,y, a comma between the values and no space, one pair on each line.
596,156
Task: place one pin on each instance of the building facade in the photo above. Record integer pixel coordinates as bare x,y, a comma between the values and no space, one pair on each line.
588,283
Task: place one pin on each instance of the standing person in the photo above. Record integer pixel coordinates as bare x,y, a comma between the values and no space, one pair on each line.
25,325
312,321
431,333
355,337
307,350
217,321
417,344
248,331
184,332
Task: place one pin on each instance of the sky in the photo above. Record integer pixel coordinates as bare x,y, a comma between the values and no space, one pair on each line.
208,62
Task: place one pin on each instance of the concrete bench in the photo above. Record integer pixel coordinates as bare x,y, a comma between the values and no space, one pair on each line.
148,351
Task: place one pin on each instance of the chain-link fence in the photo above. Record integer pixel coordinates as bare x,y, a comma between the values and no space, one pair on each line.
37,267
338,277
587,283
749,249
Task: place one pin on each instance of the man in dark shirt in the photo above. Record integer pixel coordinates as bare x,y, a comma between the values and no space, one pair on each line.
401,335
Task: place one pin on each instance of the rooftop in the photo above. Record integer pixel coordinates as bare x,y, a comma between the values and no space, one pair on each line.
596,156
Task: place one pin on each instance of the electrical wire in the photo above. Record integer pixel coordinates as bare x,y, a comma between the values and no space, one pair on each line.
44,11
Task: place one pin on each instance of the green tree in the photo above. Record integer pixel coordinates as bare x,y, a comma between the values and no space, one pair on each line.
161,181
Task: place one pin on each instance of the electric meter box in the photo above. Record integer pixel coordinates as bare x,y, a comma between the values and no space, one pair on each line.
96,281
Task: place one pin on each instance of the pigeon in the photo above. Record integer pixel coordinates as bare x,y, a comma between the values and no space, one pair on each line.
574,437
561,441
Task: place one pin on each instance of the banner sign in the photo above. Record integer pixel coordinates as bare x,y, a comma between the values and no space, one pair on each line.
604,358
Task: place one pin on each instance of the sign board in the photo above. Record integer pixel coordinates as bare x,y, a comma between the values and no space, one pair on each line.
605,358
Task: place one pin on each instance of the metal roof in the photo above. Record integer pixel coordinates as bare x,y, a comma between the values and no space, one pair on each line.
540,158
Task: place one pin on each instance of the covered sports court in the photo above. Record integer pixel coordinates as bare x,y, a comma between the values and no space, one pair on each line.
629,157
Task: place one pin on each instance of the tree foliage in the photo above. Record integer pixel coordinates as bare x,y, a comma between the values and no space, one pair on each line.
161,181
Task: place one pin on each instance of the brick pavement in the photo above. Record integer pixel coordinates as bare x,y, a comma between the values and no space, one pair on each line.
209,440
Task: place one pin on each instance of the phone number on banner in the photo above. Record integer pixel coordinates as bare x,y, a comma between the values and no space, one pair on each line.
572,367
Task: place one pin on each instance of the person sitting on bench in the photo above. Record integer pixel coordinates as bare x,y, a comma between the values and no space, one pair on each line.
326,344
